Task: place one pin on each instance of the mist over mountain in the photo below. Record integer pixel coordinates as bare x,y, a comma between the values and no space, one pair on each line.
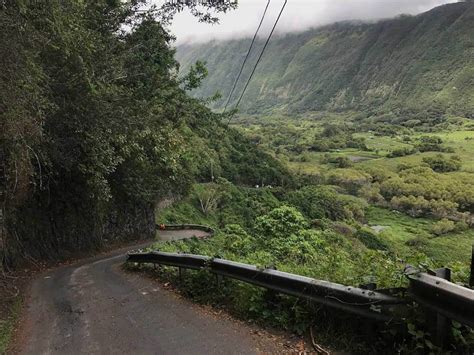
299,15
402,66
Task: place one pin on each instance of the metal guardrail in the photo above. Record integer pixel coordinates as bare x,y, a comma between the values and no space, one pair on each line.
186,227
442,296
446,300
355,300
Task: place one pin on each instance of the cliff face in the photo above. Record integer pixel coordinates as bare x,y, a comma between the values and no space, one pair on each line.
408,64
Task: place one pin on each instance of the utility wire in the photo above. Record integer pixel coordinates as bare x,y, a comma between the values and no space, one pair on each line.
258,60
246,57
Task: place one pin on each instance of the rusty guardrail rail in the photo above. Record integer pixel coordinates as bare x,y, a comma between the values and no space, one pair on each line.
366,303
437,293
186,227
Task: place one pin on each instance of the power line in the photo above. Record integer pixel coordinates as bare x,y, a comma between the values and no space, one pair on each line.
246,57
258,60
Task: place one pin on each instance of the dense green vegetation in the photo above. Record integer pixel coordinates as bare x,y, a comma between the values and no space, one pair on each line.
314,231
423,182
374,120
357,214
324,210
410,71
369,200
363,163
97,127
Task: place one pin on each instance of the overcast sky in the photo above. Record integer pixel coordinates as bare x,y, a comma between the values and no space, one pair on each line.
298,15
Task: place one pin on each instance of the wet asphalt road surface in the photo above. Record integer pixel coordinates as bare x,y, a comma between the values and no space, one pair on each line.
94,307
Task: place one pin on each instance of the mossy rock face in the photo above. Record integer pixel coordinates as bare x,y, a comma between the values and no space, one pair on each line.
83,229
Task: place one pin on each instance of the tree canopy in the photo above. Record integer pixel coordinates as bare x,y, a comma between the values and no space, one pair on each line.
97,125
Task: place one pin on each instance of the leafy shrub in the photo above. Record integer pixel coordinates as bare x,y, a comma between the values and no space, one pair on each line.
461,226
401,152
442,227
280,223
430,144
350,179
371,240
343,162
339,162
433,190
415,206
336,137
442,165
378,174
443,208
343,228
236,240
405,166
318,202
371,193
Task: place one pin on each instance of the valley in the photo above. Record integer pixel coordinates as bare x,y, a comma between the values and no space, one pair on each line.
374,164
331,202
407,69
374,124
365,201
379,111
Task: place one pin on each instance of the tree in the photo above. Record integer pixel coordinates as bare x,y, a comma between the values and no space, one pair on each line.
95,121
237,240
280,223
430,144
317,202
352,180
444,226
413,206
343,162
401,152
202,10
442,165
208,196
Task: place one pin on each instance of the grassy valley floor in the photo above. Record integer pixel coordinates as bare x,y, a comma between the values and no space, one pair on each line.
296,141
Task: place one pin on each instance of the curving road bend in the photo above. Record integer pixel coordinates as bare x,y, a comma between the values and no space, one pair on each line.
94,307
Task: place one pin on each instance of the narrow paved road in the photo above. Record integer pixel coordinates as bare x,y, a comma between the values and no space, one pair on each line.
94,307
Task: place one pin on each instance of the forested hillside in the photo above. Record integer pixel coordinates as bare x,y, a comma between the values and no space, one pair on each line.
354,157
412,67
96,128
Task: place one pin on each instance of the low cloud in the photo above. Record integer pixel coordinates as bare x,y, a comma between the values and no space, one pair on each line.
299,15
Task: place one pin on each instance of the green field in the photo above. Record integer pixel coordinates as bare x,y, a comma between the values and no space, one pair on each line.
402,229
291,139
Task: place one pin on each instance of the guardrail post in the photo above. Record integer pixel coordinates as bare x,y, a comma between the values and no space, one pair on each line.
471,280
370,286
219,279
271,298
442,332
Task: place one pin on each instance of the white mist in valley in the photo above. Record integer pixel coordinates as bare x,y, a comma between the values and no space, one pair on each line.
299,15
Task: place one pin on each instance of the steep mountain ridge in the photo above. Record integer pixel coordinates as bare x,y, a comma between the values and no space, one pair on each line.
411,67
